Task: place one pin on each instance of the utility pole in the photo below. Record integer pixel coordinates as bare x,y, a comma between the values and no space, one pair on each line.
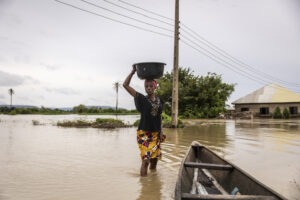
175,68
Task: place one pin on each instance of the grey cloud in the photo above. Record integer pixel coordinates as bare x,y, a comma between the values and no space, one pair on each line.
24,98
2,59
14,42
32,80
2,96
4,38
8,79
93,99
50,67
22,58
4,3
65,91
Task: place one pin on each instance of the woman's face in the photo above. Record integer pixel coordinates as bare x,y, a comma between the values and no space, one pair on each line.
149,87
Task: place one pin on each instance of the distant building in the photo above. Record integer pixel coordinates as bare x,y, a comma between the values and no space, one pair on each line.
263,102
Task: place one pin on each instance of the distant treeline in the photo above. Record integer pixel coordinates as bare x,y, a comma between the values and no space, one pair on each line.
80,109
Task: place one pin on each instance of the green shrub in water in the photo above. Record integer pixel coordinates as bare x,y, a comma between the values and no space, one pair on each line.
286,113
108,120
166,121
277,113
136,123
13,112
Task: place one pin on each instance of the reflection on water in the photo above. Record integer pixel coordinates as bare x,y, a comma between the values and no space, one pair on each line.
151,187
49,162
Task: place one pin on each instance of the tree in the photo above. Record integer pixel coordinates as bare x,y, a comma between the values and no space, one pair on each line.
286,113
116,86
80,109
11,92
199,96
277,113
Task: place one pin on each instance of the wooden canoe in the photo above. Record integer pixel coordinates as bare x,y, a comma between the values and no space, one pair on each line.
205,175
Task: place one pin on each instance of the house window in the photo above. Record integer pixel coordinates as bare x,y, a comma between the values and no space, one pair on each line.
264,110
244,109
294,110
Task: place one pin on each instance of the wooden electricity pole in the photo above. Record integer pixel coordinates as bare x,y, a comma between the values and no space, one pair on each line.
175,69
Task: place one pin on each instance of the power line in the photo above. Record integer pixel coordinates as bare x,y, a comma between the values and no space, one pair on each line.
215,47
227,65
212,56
139,13
219,50
237,63
154,13
233,59
127,16
93,13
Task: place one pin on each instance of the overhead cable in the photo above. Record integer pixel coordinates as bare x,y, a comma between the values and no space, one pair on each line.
219,50
238,64
226,64
233,59
118,21
139,13
126,16
154,13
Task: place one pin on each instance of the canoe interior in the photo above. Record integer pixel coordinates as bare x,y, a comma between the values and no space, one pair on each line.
228,179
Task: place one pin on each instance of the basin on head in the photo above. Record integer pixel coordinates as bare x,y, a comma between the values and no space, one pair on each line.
150,70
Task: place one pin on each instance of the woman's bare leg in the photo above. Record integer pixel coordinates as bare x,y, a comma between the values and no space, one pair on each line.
153,163
144,167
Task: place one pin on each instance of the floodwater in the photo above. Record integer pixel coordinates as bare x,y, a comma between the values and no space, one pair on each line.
47,162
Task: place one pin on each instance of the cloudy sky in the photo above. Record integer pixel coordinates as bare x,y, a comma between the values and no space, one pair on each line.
55,55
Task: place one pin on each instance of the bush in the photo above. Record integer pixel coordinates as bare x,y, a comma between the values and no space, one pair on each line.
108,120
286,113
166,121
98,123
13,112
277,113
77,123
136,123
35,122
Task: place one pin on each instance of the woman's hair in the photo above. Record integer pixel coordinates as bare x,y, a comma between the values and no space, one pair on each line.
152,81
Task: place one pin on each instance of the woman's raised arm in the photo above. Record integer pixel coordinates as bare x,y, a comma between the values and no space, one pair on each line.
126,83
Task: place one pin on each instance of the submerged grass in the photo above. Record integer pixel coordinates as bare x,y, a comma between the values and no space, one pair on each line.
98,123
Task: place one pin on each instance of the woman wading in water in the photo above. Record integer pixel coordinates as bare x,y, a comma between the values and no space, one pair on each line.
149,133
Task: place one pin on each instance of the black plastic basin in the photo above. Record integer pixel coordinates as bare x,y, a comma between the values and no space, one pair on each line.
150,70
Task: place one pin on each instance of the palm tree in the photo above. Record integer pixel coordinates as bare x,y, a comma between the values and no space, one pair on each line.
11,92
116,86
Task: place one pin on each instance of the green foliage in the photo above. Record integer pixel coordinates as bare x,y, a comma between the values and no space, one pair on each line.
166,121
136,123
103,120
199,96
77,123
277,113
98,123
13,112
81,109
5,110
286,113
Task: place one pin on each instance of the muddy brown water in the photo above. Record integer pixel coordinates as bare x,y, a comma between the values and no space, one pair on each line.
49,162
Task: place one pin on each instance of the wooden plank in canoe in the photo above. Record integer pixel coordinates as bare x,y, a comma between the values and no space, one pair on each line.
187,196
207,166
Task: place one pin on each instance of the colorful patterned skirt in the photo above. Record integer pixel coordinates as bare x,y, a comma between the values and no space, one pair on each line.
149,144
